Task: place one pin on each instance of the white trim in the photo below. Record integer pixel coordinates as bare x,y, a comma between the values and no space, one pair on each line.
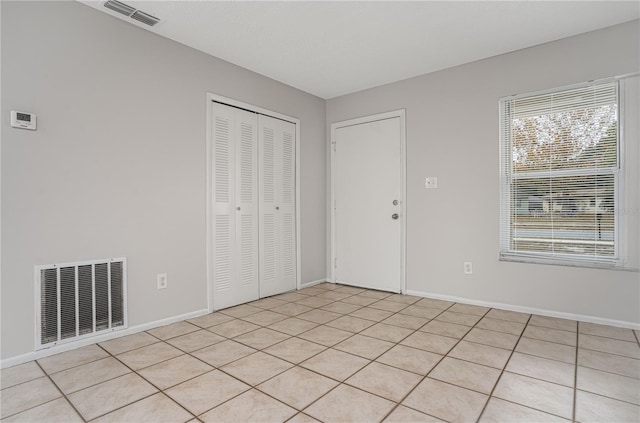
401,113
209,155
329,211
36,355
312,283
529,310
569,87
508,175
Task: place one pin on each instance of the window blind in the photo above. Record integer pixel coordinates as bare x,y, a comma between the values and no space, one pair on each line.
559,171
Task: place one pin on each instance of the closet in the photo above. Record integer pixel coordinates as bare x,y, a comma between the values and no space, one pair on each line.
253,205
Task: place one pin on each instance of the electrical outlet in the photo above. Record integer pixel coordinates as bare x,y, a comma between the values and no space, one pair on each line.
162,280
468,268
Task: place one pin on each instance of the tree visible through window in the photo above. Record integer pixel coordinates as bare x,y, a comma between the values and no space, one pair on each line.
560,168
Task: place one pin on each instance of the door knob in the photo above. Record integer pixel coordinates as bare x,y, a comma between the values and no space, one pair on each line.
238,208
277,208
395,216
395,202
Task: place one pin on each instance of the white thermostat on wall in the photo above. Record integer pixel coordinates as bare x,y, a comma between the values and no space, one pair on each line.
23,120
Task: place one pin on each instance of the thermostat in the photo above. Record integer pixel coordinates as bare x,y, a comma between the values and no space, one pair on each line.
23,120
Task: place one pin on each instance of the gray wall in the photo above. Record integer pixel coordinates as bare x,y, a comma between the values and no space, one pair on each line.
117,165
452,133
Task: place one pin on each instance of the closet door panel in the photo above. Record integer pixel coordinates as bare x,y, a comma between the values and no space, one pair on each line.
277,206
268,230
223,198
287,216
246,189
235,228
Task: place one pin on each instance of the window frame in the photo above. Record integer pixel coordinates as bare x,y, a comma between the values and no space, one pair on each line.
508,175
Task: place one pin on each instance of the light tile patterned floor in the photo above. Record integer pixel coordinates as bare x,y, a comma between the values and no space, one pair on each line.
334,353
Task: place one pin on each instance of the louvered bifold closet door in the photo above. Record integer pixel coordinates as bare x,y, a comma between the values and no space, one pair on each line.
277,206
235,198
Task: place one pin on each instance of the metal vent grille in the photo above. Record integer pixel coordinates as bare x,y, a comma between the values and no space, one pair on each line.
122,8
145,18
79,300
131,12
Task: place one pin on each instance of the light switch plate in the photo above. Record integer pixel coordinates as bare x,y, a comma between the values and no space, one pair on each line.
431,182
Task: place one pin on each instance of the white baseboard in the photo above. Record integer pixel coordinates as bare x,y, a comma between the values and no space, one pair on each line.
530,310
308,284
35,355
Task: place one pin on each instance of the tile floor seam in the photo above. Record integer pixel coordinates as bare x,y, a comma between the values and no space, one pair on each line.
539,356
370,361
506,363
248,390
248,383
124,352
535,409
610,397
162,391
296,364
175,402
72,367
61,393
197,416
320,397
327,376
179,383
608,352
298,410
369,392
609,372
538,379
339,383
153,364
230,362
125,406
425,376
548,327
39,405
339,314
26,381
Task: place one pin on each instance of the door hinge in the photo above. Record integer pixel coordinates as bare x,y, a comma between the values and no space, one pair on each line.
334,146
335,262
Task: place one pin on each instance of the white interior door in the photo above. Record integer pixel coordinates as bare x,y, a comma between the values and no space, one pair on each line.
277,182
369,203
235,201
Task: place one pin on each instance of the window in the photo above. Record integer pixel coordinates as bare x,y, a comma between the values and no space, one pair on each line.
561,173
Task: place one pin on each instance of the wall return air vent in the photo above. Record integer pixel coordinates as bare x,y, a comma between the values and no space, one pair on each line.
79,300
132,12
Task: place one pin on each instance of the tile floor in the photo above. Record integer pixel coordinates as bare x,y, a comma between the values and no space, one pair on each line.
334,353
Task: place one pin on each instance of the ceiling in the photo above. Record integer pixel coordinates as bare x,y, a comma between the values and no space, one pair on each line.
332,48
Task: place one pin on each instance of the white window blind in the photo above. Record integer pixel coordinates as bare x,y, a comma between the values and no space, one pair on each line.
559,170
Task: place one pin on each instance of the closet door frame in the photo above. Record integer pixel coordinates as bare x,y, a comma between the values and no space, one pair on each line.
211,98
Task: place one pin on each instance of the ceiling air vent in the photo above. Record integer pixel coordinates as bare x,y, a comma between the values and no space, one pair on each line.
116,6
131,12
145,18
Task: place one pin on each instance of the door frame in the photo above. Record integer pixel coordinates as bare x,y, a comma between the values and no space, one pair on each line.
211,98
401,113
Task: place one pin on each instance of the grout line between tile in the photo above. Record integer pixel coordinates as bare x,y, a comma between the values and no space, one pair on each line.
503,370
61,393
426,374
352,335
